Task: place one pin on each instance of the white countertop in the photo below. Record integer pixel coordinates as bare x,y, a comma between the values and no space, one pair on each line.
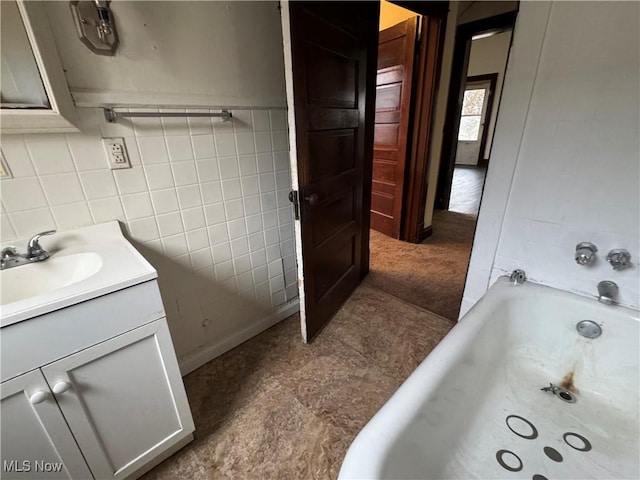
122,266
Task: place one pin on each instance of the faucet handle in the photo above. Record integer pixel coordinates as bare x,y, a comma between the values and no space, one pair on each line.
585,253
619,259
7,256
34,248
8,252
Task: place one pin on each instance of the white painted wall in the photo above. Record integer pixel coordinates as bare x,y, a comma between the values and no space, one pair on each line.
180,53
489,55
205,201
565,161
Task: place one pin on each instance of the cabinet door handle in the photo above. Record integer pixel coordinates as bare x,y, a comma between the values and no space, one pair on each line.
38,396
61,387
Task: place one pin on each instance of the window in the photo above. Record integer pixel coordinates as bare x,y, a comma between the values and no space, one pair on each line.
471,115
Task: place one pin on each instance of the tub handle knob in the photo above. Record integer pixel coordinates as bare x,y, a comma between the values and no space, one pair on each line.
585,253
619,259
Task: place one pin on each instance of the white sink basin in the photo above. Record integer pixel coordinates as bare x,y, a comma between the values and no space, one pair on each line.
85,263
19,283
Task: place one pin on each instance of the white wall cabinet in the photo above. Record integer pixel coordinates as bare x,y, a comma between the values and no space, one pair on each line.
95,386
34,95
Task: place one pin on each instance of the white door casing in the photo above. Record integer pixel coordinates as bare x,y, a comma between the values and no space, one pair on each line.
293,157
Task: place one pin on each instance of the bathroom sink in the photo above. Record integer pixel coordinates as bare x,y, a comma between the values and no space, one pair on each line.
85,263
35,279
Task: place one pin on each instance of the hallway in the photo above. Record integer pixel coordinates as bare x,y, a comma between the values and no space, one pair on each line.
431,274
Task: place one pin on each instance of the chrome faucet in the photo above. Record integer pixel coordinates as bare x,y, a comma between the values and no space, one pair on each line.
9,257
608,292
518,277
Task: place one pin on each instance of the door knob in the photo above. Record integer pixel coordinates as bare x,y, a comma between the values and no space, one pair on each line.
38,396
312,199
61,387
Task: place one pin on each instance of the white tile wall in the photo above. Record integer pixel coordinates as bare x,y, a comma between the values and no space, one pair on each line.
577,174
199,202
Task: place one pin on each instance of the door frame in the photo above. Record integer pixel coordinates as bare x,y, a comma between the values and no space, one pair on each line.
427,70
426,85
459,67
492,78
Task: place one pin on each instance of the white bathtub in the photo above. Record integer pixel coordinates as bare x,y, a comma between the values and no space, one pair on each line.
449,419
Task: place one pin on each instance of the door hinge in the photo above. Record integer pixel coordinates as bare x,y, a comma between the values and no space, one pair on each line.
293,198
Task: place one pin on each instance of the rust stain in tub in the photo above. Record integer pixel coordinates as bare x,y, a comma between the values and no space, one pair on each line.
567,382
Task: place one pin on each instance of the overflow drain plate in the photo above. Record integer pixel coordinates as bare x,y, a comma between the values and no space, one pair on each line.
589,329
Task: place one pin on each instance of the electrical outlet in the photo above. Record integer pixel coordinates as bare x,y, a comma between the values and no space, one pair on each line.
116,152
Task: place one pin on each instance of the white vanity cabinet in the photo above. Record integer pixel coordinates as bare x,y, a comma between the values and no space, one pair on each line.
105,397
34,430
121,400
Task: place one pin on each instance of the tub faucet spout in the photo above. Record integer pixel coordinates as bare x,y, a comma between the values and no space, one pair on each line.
608,292
518,277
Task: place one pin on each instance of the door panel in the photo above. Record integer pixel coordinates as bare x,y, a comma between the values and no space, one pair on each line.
108,397
36,433
396,53
332,85
331,152
332,216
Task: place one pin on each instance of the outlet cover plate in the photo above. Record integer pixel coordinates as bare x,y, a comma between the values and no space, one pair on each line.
116,152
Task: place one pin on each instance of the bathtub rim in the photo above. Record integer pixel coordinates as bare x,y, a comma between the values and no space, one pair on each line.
368,452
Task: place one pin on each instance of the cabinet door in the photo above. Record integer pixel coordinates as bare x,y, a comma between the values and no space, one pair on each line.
36,441
123,400
30,59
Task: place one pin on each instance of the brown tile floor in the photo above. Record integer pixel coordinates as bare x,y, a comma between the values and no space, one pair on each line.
276,408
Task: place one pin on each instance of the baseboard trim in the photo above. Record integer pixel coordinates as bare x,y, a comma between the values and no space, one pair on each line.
195,359
426,233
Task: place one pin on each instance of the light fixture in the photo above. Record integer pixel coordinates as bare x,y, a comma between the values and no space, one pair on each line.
95,25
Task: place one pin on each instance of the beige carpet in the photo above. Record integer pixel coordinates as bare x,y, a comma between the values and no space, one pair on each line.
276,408
430,275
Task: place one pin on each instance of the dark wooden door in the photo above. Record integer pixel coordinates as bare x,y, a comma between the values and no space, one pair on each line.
396,53
333,89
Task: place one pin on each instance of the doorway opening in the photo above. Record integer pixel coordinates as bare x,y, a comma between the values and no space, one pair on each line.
471,160
410,45
365,115
429,270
